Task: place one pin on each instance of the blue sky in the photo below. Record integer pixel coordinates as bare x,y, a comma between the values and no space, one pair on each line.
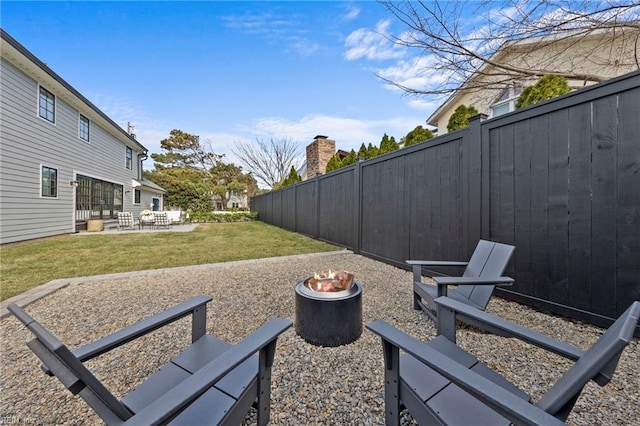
229,71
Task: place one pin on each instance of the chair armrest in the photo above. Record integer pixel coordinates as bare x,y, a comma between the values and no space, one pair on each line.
195,385
504,402
147,325
473,280
435,263
502,327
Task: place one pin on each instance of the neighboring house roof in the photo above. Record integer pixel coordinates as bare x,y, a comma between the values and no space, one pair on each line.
147,185
580,53
39,71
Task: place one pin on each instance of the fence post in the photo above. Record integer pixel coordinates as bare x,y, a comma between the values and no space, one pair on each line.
479,205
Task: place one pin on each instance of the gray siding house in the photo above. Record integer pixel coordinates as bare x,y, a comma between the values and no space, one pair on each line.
62,160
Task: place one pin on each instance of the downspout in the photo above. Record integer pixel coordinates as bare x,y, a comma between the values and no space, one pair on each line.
141,158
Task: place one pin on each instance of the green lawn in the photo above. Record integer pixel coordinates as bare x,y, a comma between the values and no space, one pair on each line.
32,263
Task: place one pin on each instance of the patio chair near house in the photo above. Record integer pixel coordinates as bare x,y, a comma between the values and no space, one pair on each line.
210,382
161,220
126,221
475,287
439,383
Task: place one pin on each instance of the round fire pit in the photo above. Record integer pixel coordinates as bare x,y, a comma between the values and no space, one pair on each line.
328,318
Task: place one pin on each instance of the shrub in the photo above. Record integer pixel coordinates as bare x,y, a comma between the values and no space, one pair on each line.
223,217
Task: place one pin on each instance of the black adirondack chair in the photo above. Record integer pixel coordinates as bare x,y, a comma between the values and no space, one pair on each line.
210,382
475,287
439,383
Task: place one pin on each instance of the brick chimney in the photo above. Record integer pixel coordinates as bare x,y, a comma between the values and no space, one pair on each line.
319,152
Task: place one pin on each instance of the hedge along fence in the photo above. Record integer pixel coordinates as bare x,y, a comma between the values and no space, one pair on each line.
200,217
559,180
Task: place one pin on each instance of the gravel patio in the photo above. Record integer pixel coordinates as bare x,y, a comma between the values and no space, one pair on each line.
311,385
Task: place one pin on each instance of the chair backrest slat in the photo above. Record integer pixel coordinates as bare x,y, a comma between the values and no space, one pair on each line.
602,355
489,259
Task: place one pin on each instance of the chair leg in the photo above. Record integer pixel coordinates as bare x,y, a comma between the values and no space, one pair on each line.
392,403
416,302
263,407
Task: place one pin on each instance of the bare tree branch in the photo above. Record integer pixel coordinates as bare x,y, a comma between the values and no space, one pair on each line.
269,161
456,52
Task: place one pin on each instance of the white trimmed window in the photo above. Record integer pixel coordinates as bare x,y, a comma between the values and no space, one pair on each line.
136,196
47,105
49,182
83,129
506,102
129,158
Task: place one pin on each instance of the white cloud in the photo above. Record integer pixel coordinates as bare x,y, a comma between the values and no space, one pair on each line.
372,44
410,73
352,14
349,133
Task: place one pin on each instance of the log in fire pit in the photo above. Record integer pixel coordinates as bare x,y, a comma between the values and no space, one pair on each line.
329,309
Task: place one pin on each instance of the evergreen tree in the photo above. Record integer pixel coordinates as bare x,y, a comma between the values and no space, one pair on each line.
372,151
418,134
292,178
547,87
350,159
362,152
388,144
460,117
334,163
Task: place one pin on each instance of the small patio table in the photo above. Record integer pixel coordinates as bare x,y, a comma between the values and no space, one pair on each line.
147,221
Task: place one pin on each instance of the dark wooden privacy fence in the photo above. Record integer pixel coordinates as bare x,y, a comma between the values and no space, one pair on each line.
560,181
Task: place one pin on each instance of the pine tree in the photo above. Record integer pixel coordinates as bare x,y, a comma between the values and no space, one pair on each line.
292,178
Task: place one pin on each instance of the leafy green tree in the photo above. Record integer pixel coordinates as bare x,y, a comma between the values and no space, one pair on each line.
418,134
192,174
547,87
185,187
460,117
292,178
228,179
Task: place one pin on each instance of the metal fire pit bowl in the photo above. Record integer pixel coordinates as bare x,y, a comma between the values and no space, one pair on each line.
328,318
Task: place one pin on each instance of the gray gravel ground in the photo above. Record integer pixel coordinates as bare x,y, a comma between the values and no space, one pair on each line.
311,385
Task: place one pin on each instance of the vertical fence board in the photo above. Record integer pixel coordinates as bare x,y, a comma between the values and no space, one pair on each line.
579,251
540,207
505,208
628,200
455,200
603,261
416,192
523,142
558,205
